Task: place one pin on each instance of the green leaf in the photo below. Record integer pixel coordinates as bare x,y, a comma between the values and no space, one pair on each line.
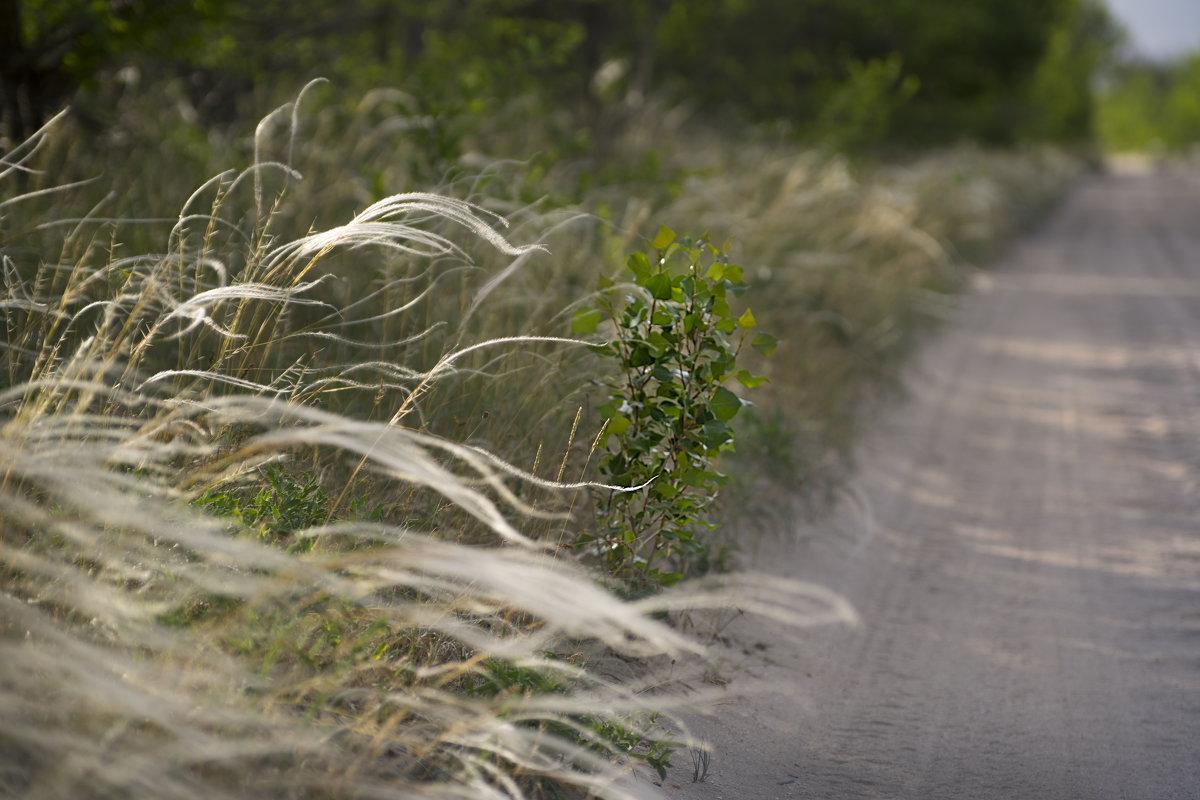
726,325
608,350
618,425
716,433
733,273
585,320
640,356
659,286
639,265
604,282
749,381
746,320
764,343
665,490
664,238
662,374
715,272
725,404
659,344
667,579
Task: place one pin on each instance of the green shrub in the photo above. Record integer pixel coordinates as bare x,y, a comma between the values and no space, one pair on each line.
676,341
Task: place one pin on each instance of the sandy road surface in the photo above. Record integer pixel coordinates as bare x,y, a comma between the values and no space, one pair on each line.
1030,586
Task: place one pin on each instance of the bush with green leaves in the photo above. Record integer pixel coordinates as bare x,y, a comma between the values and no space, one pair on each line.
675,341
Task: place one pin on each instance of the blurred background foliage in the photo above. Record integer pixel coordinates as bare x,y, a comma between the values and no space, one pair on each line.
1151,107
850,74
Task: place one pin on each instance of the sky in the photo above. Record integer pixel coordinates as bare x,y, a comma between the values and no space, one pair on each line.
1160,29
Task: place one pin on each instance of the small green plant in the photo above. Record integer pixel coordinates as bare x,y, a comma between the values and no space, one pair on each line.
676,342
282,506
636,740
701,757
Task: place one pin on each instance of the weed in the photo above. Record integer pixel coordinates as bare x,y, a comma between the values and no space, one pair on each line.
701,759
636,738
283,505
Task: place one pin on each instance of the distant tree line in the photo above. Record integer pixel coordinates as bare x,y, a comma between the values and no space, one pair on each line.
1151,106
856,73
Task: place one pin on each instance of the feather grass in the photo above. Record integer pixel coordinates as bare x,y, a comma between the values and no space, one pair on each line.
151,649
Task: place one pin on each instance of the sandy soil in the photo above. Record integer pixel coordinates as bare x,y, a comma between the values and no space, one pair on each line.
1029,572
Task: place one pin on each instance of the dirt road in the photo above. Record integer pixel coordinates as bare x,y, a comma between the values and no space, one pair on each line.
1029,580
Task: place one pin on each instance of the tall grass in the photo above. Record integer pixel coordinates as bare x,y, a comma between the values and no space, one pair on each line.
415,631
285,477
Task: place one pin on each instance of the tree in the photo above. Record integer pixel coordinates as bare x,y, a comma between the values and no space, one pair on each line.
1081,46
49,48
855,72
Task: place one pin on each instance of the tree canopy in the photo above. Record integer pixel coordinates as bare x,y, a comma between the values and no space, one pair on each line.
854,72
